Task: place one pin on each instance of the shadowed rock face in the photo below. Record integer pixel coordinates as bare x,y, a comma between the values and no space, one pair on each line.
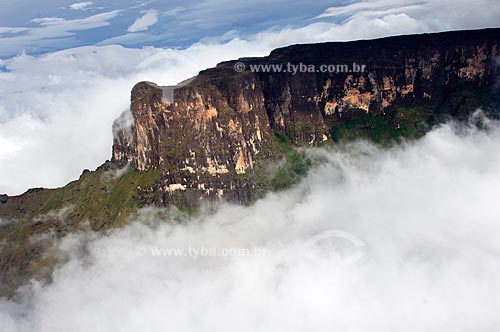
214,135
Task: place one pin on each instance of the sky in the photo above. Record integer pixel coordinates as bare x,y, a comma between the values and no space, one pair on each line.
58,24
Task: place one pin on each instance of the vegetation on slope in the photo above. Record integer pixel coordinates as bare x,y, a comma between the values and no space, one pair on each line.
408,122
31,223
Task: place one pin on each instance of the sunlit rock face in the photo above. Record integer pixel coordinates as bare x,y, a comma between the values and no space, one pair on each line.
211,136
207,138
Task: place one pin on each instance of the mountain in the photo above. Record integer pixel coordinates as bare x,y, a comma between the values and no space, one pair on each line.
231,132
212,137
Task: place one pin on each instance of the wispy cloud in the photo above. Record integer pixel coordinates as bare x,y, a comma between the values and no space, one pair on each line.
432,15
179,23
81,5
364,6
50,31
144,22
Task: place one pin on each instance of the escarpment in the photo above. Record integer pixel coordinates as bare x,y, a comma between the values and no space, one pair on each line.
205,141
212,137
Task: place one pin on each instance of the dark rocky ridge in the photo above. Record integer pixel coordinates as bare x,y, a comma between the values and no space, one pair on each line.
213,138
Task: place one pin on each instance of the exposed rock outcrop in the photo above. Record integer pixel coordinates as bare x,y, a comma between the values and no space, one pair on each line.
205,135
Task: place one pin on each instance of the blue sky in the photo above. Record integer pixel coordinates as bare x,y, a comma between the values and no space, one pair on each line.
37,27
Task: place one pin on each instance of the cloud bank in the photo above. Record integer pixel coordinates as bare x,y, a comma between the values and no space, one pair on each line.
56,111
426,212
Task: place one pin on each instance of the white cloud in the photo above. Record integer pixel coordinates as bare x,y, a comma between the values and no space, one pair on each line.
5,30
61,106
81,5
52,31
144,22
132,38
427,213
366,6
435,15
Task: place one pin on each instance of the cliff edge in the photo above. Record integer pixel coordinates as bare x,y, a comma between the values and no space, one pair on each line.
211,137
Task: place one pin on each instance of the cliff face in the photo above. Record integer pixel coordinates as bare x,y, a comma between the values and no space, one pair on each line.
212,137
205,140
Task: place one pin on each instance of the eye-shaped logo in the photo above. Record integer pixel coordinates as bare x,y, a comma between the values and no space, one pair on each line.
334,248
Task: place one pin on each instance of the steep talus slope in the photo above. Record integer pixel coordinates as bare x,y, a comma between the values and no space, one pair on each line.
231,135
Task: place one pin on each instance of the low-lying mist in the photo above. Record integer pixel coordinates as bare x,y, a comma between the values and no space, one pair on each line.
396,239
